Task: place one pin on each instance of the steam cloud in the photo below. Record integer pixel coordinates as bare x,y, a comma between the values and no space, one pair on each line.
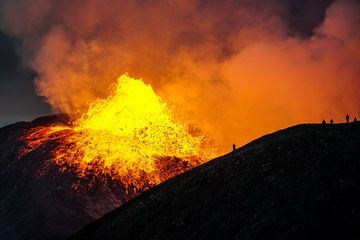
230,66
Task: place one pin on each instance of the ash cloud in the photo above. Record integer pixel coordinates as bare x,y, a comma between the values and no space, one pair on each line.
238,69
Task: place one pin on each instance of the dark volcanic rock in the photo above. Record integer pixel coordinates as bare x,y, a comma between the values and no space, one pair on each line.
299,183
37,200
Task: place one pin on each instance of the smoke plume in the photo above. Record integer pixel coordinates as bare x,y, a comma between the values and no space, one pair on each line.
234,68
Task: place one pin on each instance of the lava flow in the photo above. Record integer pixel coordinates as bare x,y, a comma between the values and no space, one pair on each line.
132,136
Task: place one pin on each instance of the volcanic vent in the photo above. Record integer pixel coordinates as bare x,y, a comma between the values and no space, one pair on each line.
57,170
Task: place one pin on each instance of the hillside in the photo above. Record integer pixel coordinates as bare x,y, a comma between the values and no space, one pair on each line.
299,183
40,201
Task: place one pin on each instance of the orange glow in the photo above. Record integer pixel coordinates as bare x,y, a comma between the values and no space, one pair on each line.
236,70
132,135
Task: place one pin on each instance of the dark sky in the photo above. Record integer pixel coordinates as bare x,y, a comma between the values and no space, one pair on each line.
18,99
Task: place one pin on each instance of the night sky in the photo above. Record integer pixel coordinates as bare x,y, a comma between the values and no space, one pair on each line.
18,100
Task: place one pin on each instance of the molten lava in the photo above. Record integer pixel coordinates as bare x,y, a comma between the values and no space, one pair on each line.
132,136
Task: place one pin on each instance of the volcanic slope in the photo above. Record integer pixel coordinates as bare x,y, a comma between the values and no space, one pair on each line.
40,201
299,183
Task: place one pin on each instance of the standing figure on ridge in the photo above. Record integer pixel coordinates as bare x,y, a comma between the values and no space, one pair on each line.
331,121
355,119
234,147
347,118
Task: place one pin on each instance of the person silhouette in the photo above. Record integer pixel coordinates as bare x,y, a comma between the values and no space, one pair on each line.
355,119
331,121
234,147
347,118
323,122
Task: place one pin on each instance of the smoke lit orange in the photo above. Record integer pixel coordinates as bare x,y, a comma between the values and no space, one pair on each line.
132,135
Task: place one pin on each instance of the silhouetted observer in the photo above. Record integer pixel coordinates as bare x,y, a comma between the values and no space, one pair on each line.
323,122
347,118
234,147
355,119
331,121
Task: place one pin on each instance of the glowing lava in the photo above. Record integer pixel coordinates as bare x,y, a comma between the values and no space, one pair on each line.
132,135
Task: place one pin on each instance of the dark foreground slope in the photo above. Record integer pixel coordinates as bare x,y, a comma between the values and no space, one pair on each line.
37,199
298,183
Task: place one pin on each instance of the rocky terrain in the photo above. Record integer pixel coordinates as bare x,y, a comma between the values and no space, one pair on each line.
44,199
299,183
40,201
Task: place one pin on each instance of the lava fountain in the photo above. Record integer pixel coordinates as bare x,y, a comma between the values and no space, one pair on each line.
132,136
